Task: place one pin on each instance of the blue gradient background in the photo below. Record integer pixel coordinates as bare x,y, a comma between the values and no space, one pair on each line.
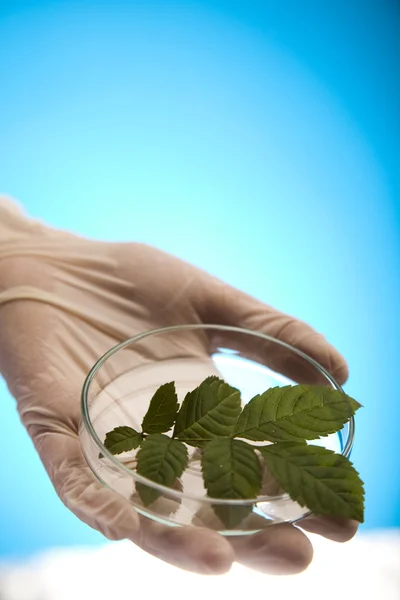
259,140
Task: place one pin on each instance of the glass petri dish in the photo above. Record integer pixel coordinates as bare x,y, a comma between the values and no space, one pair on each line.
118,389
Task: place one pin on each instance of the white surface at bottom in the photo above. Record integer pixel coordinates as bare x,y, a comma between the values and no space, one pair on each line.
366,567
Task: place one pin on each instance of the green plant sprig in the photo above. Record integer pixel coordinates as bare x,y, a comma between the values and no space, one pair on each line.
212,419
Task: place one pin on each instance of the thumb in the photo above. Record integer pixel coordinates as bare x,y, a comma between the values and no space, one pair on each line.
225,305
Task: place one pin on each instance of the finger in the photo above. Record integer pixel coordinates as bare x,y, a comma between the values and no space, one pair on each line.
225,305
332,528
277,550
75,484
191,548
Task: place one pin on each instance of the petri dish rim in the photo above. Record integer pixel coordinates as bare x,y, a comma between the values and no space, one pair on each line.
86,420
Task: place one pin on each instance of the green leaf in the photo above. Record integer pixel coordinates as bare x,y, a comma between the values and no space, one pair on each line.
295,413
269,485
122,439
162,410
161,459
325,482
231,470
209,411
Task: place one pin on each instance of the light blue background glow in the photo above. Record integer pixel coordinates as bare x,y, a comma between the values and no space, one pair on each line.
257,139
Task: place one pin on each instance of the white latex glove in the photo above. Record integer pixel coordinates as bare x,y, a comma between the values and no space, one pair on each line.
64,301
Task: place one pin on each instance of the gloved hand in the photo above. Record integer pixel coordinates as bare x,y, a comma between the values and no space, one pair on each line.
64,301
